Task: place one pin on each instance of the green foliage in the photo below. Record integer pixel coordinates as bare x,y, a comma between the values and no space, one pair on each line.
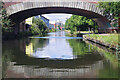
38,27
109,70
77,23
111,8
4,20
79,47
40,24
34,29
39,43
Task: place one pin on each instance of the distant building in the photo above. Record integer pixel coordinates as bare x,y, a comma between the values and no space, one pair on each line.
59,25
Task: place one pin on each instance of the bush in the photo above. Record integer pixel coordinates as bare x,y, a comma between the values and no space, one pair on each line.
5,22
34,29
41,25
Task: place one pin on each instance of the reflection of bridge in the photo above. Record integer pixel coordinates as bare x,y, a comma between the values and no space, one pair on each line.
41,68
32,72
19,11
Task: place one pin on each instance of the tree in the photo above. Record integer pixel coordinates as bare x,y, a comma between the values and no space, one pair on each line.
40,24
77,23
34,29
111,11
110,8
4,20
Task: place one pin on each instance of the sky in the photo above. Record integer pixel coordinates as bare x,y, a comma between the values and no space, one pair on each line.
56,17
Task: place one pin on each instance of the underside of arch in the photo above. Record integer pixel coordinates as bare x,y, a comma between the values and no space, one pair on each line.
102,22
22,15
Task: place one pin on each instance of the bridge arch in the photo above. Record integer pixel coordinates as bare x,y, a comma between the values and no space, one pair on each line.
21,11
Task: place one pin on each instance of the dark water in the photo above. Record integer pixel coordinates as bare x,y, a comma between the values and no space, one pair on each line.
57,56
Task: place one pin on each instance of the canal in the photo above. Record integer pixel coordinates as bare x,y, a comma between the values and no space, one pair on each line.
57,55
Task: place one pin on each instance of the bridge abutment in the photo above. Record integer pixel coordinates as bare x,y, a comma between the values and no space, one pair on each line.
103,24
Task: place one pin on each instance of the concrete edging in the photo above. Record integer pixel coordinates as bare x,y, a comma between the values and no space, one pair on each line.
113,47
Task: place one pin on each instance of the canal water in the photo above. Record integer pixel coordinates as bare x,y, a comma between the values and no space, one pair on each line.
57,55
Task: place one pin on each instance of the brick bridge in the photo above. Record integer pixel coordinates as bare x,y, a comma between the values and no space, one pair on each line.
19,10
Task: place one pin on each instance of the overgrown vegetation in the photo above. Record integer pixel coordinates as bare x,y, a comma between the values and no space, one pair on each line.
5,22
111,8
111,11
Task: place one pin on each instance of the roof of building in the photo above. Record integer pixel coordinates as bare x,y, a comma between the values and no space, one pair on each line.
44,17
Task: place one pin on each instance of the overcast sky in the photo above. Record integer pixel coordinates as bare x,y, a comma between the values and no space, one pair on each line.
54,17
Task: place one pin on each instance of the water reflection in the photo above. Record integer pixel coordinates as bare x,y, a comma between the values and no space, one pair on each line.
57,58
54,49
57,48
36,45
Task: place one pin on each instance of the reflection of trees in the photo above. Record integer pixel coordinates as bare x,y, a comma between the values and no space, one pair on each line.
79,47
39,43
110,63
107,53
34,44
110,69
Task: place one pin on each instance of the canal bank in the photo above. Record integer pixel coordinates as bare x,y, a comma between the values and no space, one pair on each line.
107,40
109,54
57,55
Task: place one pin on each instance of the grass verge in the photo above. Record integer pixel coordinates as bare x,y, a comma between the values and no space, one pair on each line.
111,39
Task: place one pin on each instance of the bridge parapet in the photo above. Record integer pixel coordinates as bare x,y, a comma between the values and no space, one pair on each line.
54,3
